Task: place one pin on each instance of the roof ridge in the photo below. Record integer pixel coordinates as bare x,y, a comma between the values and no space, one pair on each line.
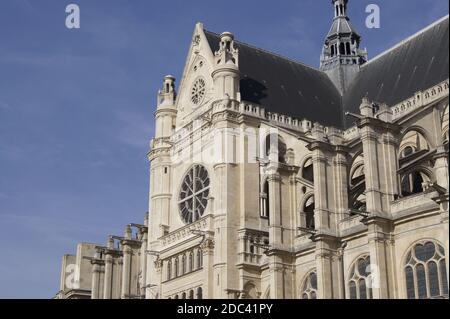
401,43
272,53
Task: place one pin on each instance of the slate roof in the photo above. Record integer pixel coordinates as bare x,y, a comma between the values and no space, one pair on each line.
416,64
341,25
284,86
287,87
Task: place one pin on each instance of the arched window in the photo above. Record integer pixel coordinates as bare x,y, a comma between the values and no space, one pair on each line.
332,50
250,291
308,171
264,209
411,183
342,48
274,143
199,293
413,142
176,297
359,283
199,259
183,264
191,261
347,48
176,266
415,160
309,287
183,295
169,270
308,211
191,294
357,194
426,271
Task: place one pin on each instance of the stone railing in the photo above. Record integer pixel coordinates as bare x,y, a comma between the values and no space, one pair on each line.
351,133
203,224
407,203
420,99
349,223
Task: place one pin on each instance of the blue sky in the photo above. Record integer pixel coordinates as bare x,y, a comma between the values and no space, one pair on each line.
76,107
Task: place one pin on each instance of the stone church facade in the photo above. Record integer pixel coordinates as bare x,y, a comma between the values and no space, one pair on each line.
272,179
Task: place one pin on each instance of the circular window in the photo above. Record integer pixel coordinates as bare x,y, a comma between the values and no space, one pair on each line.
198,91
194,194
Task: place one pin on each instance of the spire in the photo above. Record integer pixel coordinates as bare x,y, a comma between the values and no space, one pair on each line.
226,69
341,54
167,95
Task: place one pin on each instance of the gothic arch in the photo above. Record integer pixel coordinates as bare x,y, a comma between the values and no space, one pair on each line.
413,244
426,135
424,270
305,173
308,287
357,277
250,290
307,216
357,184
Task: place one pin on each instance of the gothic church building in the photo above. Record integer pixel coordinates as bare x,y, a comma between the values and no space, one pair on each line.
273,179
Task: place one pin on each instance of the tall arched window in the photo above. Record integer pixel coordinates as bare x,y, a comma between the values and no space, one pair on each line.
347,48
359,279
342,48
308,211
411,183
426,271
357,194
309,287
183,295
415,162
250,291
183,264
169,270
199,293
264,205
176,265
191,294
199,258
308,171
191,261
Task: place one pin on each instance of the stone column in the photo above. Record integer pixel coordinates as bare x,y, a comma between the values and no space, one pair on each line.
275,227
126,270
441,167
207,248
96,279
277,283
109,260
324,264
373,193
377,228
340,184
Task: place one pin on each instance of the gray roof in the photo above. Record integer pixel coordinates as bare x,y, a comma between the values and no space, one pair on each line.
284,86
341,25
287,87
414,65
